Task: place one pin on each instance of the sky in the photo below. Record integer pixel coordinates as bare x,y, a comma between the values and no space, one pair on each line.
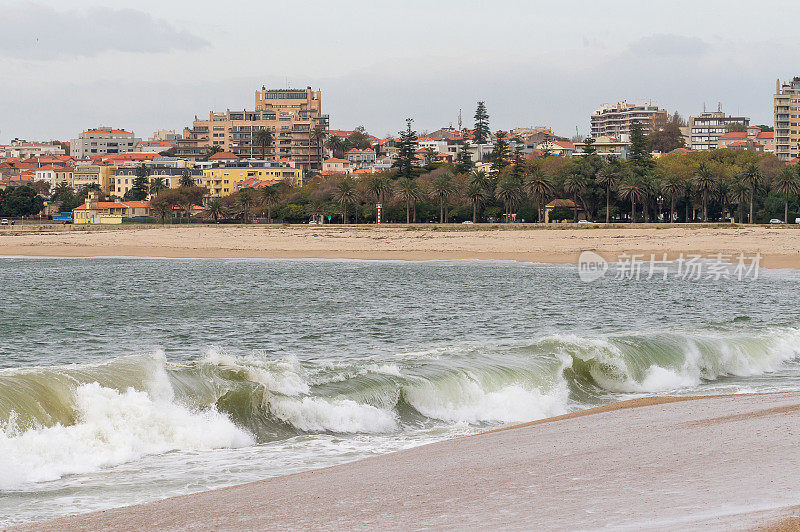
156,64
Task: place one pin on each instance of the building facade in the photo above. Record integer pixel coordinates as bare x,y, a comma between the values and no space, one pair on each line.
294,116
787,119
170,175
707,128
221,180
616,120
103,141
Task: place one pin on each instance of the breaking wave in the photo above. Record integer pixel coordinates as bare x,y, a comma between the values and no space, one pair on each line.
57,421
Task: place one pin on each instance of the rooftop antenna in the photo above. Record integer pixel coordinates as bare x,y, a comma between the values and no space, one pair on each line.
704,107
719,107
459,119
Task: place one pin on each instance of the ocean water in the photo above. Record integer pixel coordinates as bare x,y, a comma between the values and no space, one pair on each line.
129,380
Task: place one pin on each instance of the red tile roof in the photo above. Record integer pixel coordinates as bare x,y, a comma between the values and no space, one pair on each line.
223,156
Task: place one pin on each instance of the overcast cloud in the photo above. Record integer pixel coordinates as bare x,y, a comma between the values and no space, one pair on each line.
36,32
533,62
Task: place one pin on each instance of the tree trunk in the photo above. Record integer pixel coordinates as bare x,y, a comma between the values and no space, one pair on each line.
269,213
474,211
672,209
575,210
633,210
608,203
344,213
705,207
415,212
441,211
752,199
786,210
408,212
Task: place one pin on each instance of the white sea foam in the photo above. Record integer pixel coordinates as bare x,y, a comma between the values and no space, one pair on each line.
467,400
112,428
315,414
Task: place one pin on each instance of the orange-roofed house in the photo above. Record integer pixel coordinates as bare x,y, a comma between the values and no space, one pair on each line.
55,175
754,139
99,212
336,166
359,157
223,157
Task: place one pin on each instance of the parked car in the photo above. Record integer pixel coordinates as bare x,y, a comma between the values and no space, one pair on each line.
4,221
466,222
775,221
584,222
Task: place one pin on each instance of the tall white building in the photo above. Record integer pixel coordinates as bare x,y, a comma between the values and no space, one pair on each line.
707,128
103,141
787,119
616,120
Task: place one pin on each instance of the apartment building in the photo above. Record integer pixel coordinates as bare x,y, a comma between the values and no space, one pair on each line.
616,120
170,175
292,115
103,141
221,180
93,174
707,128
787,119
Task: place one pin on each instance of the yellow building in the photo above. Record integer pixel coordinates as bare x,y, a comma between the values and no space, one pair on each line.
99,212
92,174
220,181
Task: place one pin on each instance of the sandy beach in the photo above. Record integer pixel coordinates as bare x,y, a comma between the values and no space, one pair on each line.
720,462
715,462
779,246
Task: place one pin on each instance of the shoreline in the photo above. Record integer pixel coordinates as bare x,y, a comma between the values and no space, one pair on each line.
779,247
633,441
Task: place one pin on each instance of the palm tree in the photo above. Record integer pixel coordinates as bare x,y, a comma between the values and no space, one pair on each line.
672,187
345,194
608,178
215,208
271,195
752,177
539,187
443,189
705,181
263,137
508,191
408,191
478,191
211,151
632,188
477,195
379,186
186,178
318,134
245,200
787,184
575,183
157,185
740,193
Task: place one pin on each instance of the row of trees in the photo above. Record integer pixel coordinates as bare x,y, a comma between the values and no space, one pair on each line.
696,186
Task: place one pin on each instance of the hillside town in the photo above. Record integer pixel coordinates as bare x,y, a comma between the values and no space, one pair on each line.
281,161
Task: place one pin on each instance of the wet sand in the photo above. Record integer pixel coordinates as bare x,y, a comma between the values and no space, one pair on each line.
721,462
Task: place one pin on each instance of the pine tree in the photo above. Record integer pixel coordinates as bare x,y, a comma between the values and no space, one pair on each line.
406,157
640,156
464,162
481,124
500,153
